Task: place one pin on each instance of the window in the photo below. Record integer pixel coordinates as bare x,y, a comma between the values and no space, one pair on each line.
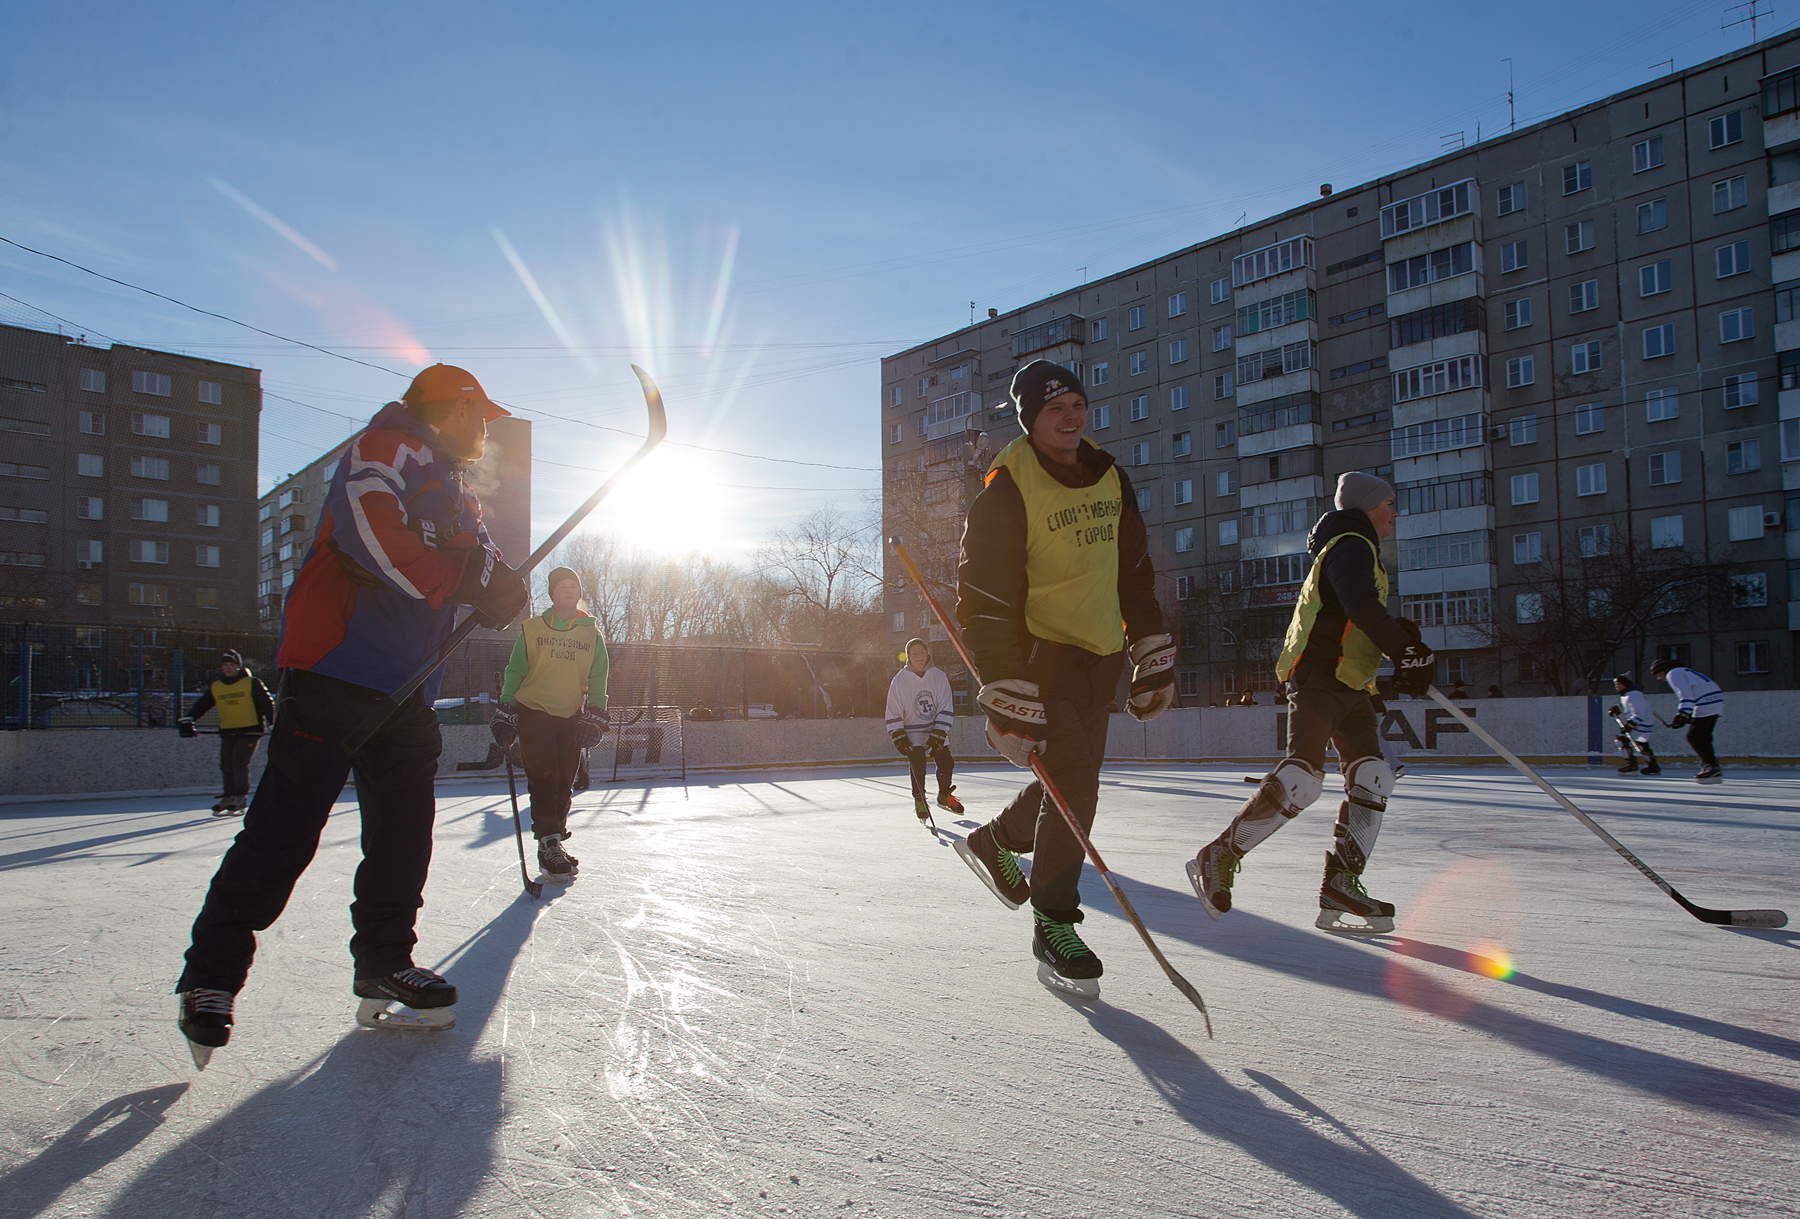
1430,268
90,508
1464,372
1140,453
1523,430
331,467
1438,436
1177,304
1594,540
1225,434
150,383
1584,296
895,435
147,509
1222,387
899,620
1578,236
93,423
25,516
1653,278
1432,207
1135,320
89,553
1659,341
286,552
1178,398
206,475
1726,129
1737,324
1525,488
206,556
1520,370
93,380
268,536
926,382
150,467
1101,374
147,594
1665,469
1585,357
1184,537
1184,491
1661,405
149,552
896,395
1647,155
1177,350
1513,256
1100,418
1140,363
1651,216
1228,535
1590,480
1665,533
1753,657
1528,607
1444,550
1518,313
1578,177
149,425
1221,337
1733,259
1184,444
1097,328
1740,390
1743,456
1457,608
1509,199
212,392
1227,482
211,433
206,598
1528,548
1729,195
1272,260
87,594
206,516
1294,357
1745,524
1749,590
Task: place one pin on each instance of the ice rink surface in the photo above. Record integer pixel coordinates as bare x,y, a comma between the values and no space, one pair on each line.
775,994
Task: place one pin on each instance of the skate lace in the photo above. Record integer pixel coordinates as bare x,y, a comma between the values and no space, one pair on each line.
1063,939
214,1002
1009,865
415,976
1351,882
1225,867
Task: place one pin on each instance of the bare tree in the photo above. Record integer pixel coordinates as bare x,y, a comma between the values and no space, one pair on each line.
819,568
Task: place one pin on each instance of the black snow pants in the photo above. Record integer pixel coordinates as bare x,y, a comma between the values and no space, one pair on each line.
305,773
1078,689
236,747
1324,711
946,766
547,746
1699,735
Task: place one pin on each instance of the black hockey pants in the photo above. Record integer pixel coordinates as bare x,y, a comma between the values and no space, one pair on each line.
306,771
547,745
1078,689
1322,710
946,766
1699,735
236,748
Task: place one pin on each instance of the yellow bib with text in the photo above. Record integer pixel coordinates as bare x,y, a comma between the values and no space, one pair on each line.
1071,554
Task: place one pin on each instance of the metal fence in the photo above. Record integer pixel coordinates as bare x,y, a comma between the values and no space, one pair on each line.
60,675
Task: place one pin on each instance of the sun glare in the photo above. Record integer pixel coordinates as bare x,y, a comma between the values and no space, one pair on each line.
671,504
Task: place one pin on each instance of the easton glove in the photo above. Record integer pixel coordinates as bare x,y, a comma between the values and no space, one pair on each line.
935,739
185,726
491,588
505,725
1016,721
589,728
1152,677
903,744
1412,668
1682,720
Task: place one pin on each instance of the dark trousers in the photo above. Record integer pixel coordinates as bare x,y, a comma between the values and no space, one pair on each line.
547,746
1078,689
235,751
1699,735
305,773
946,766
1324,711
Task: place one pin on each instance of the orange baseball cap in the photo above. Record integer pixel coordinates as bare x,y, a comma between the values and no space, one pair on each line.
448,383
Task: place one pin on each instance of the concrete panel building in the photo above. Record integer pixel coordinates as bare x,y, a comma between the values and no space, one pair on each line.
1572,348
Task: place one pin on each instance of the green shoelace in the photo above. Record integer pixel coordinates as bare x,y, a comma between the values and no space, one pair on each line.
1063,939
1009,864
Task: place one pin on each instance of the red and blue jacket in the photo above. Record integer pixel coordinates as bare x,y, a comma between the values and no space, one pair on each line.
373,601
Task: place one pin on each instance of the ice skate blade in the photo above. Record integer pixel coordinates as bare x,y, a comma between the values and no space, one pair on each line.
981,874
559,878
1075,988
1333,920
389,1014
202,1054
1193,871
1710,779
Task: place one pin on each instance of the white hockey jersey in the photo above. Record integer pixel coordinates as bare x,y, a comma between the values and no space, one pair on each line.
918,703
1695,693
1636,718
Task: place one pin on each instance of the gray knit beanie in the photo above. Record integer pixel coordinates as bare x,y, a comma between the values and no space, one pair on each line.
1362,491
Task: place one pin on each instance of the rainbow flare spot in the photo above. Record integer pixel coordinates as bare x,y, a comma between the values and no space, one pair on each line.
1491,961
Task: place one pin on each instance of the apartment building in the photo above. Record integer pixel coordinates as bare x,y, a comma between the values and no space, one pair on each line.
127,484
1572,348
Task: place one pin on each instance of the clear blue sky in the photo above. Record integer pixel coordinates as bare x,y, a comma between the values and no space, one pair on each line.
755,202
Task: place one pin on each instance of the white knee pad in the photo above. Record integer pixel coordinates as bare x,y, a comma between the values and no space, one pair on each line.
1367,782
1300,785
1373,776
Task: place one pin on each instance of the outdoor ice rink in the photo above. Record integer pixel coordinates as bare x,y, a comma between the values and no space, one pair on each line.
774,994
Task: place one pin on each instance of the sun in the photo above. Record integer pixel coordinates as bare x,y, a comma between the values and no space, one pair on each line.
671,504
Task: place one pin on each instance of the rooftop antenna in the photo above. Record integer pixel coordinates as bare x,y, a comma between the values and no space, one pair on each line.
1746,15
1670,61
971,313
1511,122
1084,277
1453,142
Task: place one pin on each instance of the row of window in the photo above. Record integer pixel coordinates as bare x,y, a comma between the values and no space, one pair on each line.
1100,373
144,508
93,423
157,384
91,552
93,465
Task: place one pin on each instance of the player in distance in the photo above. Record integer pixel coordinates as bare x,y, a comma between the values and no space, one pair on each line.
244,711
920,716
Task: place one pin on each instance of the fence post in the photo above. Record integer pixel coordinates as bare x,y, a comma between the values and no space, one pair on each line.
180,685
24,680
140,677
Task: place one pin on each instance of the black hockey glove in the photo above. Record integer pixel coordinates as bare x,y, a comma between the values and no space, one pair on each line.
1412,668
934,740
185,726
590,728
1682,720
1613,711
903,743
505,725
491,588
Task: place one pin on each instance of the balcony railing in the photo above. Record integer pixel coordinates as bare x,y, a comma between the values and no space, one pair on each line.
1069,328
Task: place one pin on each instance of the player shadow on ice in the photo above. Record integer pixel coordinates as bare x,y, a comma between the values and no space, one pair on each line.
60,851
1328,960
110,1131
381,1123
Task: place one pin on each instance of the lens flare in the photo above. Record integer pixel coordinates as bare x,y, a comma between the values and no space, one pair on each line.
1491,961
557,325
273,221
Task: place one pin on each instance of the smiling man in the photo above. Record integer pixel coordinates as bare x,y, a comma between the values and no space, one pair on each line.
1055,579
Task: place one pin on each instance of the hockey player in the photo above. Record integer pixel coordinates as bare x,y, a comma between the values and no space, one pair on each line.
553,702
1699,704
1632,712
1335,640
399,545
244,711
1055,581
920,715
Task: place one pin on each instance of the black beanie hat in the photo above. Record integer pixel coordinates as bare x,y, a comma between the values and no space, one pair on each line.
1037,383
230,657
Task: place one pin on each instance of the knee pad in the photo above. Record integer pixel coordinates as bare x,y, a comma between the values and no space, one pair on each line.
1367,783
1292,786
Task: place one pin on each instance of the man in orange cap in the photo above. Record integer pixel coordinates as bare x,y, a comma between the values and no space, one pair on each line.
400,544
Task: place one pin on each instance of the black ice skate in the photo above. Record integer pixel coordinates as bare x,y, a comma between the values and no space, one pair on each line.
1710,773
204,1018
947,800
997,867
1342,896
921,810
1630,767
222,807
557,864
1211,873
1065,964
431,998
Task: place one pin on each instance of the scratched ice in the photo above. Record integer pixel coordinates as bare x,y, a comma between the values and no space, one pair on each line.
774,994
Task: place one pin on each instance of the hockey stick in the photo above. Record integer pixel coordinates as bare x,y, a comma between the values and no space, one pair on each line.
1056,796
1719,918
533,887
659,427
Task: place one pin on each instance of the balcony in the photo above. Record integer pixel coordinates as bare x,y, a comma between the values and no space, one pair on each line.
1069,328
